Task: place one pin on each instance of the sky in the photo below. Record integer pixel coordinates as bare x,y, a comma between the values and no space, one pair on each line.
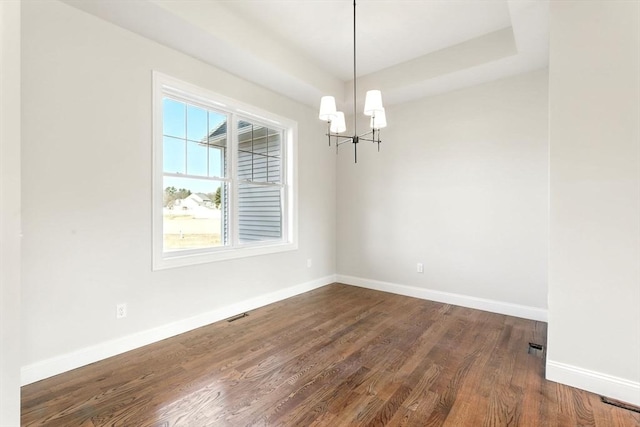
184,128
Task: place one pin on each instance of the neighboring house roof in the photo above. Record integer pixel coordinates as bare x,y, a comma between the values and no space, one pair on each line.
220,133
204,197
199,197
221,130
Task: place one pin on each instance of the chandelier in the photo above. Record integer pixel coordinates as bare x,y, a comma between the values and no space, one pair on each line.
372,107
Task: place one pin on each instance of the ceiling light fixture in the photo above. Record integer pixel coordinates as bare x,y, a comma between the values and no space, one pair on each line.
372,107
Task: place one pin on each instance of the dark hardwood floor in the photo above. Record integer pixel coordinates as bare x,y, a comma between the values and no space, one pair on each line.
336,356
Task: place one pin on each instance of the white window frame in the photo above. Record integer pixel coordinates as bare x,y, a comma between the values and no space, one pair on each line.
165,85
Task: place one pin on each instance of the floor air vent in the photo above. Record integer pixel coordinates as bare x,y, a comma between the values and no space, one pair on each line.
619,404
536,349
237,317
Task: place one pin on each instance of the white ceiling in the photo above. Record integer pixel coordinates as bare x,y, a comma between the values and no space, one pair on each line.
388,32
304,48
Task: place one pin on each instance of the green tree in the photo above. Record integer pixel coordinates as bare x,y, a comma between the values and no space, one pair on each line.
217,198
171,194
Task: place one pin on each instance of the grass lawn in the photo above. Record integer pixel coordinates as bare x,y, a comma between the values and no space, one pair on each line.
187,232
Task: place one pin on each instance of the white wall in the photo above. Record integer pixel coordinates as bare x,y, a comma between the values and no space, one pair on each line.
10,213
460,185
594,263
87,196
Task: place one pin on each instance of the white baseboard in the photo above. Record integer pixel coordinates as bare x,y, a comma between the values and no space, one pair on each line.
66,362
516,310
595,382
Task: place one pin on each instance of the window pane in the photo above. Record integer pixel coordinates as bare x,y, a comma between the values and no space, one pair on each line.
196,158
259,153
173,155
273,169
274,160
194,214
252,167
196,124
245,164
217,161
259,134
173,118
260,212
217,129
275,139
217,144
245,150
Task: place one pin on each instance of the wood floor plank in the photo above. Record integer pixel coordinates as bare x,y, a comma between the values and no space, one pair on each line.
335,356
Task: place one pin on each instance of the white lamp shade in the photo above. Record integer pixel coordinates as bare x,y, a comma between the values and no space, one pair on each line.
327,108
338,125
379,120
373,102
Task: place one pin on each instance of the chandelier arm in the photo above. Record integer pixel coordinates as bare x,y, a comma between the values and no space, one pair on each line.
375,136
341,139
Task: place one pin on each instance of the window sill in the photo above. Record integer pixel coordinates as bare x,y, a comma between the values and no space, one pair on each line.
179,259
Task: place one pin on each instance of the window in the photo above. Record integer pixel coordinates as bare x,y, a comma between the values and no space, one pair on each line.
224,177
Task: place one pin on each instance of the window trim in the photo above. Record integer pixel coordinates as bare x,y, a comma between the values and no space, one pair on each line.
236,110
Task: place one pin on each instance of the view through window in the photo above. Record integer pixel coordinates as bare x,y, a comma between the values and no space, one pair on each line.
226,176
194,207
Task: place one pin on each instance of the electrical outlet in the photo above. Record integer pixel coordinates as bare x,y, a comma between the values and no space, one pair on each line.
121,311
420,268
309,262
